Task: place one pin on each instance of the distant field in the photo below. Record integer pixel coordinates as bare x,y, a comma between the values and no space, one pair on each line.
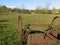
28,19
9,33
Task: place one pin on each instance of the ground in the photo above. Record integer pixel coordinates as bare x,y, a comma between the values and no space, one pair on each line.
9,33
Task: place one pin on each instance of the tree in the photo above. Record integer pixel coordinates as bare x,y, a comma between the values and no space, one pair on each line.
49,12
44,10
3,9
16,10
54,10
37,10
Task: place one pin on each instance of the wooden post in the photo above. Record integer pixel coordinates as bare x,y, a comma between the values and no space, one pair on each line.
20,29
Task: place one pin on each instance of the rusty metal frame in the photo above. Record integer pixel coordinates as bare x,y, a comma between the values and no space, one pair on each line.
47,32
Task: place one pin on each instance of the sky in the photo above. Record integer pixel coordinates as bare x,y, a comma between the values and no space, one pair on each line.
31,4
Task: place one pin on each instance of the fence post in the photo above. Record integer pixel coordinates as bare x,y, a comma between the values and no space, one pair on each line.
20,29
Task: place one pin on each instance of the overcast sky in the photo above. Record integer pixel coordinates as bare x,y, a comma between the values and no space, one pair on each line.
30,4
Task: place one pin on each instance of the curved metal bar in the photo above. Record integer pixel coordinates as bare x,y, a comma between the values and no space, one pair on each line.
50,26
54,19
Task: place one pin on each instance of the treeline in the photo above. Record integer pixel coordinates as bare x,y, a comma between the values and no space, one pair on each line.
4,9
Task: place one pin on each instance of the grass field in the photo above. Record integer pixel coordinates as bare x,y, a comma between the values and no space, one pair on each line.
9,33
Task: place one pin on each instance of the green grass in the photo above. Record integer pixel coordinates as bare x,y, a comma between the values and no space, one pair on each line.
9,34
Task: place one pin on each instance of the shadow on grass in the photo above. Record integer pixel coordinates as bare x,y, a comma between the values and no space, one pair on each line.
2,26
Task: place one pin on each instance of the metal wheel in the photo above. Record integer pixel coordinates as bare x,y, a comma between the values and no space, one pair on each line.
56,23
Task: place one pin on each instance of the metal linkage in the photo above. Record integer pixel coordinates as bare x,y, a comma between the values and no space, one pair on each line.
52,34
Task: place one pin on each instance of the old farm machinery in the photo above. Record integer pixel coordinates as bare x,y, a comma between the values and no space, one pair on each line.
34,37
